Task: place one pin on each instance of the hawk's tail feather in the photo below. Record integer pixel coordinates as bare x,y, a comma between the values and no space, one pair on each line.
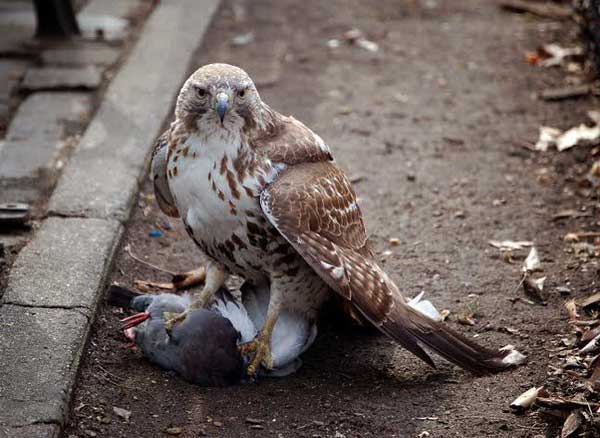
380,301
409,327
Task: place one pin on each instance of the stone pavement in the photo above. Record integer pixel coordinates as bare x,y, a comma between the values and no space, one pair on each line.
57,278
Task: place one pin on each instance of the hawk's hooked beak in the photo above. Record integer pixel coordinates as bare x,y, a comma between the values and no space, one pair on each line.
222,105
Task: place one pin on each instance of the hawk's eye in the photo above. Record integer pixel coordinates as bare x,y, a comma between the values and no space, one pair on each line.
242,92
200,92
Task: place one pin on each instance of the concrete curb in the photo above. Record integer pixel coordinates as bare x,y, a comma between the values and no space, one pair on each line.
57,280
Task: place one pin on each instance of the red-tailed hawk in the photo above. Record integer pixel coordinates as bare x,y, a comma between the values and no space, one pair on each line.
262,196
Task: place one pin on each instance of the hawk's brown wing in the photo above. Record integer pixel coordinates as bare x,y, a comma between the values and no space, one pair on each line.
314,207
162,192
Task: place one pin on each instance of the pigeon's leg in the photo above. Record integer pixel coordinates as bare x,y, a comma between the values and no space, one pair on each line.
261,345
189,279
215,278
184,280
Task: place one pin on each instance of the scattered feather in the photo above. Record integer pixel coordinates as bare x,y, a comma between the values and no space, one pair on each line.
532,262
525,400
506,245
425,307
514,357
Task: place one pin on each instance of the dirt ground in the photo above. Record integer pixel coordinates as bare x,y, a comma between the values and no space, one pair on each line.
431,127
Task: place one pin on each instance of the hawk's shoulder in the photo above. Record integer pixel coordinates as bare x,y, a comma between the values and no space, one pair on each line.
288,141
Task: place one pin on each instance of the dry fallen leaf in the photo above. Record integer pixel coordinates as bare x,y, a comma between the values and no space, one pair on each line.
557,54
591,346
574,135
593,175
123,413
547,138
565,140
572,423
591,300
533,289
571,310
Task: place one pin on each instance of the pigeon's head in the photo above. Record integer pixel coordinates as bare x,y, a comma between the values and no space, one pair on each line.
219,96
202,348
151,306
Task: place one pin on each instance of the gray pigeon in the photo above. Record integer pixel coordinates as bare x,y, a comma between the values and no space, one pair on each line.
203,348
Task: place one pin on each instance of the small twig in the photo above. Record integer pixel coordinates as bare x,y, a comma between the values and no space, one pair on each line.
523,278
104,370
565,92
150,265
540,9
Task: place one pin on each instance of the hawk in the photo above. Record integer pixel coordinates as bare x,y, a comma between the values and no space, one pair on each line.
261,195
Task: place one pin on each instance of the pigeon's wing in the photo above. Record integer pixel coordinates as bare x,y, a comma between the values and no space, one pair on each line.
231,309
162,192
314,206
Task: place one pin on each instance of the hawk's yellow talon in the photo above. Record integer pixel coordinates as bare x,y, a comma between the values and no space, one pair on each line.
172,318
261,348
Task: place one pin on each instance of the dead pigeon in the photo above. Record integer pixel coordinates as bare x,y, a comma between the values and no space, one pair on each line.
200,349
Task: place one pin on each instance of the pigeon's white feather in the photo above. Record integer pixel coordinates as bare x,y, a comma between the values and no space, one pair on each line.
292,334
238,316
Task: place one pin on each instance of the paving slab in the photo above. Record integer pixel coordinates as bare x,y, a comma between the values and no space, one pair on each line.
102,177
39,354
26,158
45,115
82,55
31,431
62,78
11,72
65,265
34,140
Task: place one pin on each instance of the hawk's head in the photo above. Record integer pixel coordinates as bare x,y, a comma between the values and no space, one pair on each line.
219,96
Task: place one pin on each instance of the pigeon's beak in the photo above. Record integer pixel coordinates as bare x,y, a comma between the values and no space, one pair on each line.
222,105
132,321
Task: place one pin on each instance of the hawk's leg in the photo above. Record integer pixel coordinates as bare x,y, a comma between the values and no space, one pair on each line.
214,278
261,345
